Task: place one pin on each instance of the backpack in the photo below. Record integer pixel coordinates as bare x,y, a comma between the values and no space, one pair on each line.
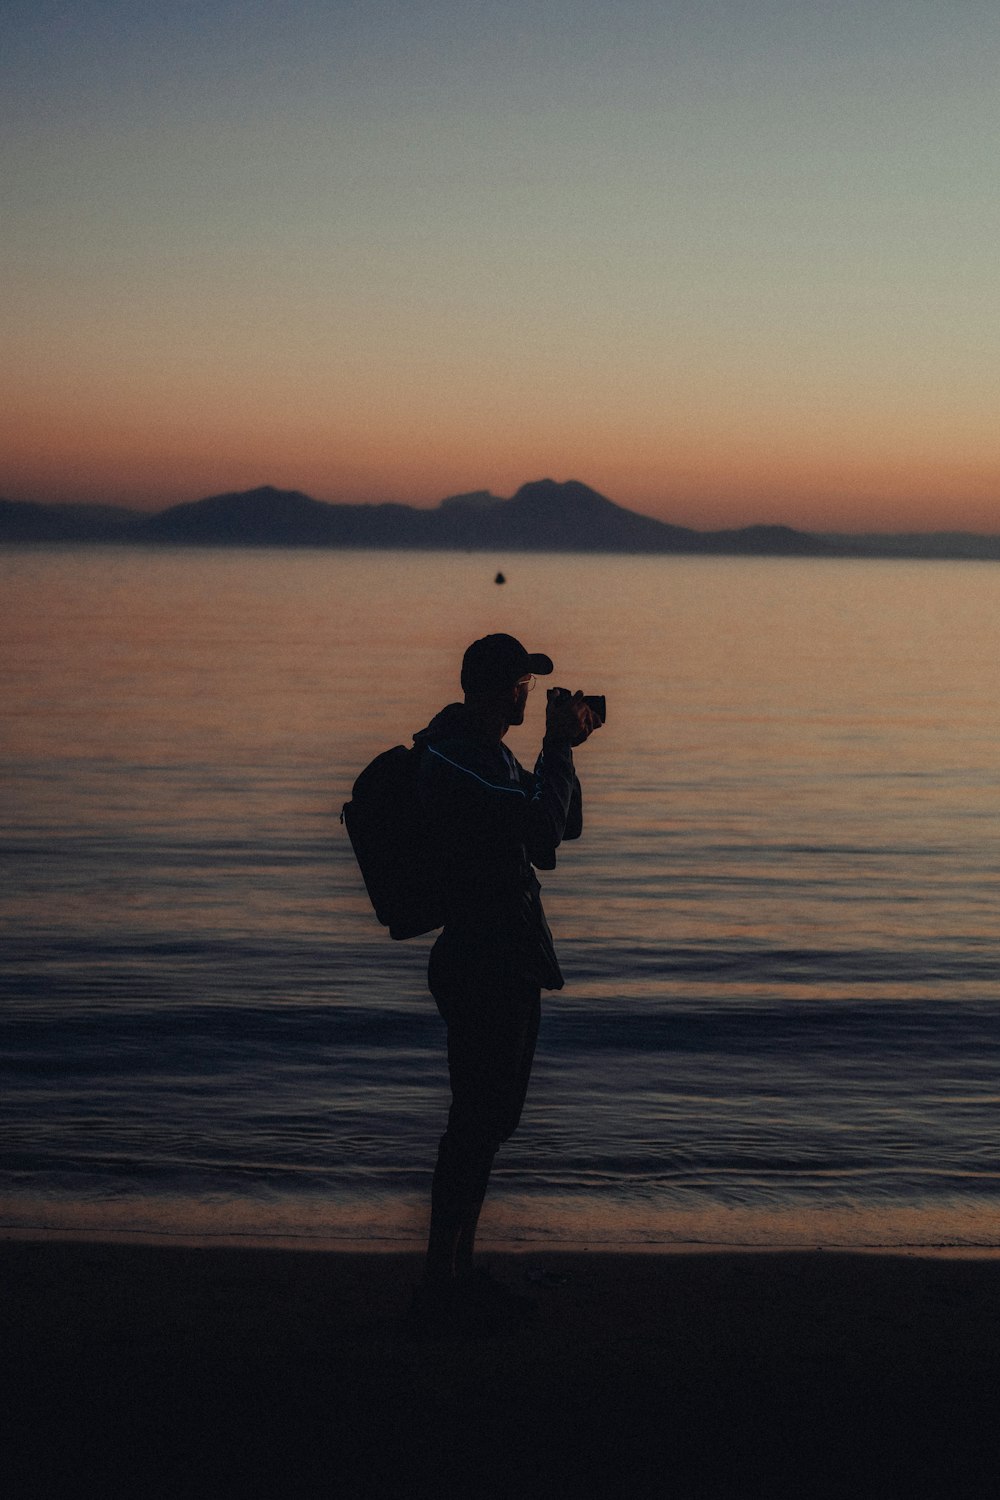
387,829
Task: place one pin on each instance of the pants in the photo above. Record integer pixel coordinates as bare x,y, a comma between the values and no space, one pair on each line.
492,1021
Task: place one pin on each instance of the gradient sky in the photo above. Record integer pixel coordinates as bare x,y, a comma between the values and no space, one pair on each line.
726,262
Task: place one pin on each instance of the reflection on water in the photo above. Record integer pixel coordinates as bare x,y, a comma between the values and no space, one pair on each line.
778,931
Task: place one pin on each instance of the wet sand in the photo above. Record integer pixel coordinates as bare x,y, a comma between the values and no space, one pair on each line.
145,1370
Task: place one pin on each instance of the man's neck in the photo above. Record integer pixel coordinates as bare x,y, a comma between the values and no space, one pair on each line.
488,722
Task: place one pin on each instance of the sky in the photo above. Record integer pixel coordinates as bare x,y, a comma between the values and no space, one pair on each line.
726,261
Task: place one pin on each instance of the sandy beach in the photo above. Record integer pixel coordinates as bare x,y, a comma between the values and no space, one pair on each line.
139,1370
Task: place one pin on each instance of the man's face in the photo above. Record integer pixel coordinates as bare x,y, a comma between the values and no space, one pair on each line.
519,699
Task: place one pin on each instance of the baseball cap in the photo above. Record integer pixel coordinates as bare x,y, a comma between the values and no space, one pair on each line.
497,661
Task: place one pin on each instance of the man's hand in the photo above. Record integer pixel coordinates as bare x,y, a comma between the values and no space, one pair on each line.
568,717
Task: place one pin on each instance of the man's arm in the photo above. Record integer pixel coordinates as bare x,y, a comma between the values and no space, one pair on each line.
569,721
574,813
470,798
555,783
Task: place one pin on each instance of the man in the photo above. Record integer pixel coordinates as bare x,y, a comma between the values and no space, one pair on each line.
490,822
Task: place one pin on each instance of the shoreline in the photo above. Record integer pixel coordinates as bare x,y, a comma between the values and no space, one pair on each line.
257,1371
409,1246
314,1245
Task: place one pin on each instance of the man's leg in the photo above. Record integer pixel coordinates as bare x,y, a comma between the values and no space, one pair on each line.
492,1029
457,1194
512,1059
466,1243
491,1045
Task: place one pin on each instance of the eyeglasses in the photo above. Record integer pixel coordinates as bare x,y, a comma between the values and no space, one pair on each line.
526,682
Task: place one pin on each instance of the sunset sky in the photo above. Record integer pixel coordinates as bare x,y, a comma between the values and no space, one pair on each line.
726,261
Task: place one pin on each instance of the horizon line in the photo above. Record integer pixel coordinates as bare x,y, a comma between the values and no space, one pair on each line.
776,525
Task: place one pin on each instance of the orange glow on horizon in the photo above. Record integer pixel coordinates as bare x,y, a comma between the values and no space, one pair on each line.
705,447
150,465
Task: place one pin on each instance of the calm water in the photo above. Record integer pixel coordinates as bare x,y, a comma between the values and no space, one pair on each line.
781,1022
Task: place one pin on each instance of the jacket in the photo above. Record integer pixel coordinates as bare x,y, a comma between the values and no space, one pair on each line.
491,823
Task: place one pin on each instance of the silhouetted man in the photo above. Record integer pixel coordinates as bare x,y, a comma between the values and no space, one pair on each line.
491,822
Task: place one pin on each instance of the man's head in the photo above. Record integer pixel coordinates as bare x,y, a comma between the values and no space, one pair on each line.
497,673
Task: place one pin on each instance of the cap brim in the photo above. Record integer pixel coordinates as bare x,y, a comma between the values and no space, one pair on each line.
539,664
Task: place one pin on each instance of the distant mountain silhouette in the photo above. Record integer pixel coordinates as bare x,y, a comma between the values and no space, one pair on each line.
766,541
475,500
543,516
24,521
268,517
956,545
262,517
550,517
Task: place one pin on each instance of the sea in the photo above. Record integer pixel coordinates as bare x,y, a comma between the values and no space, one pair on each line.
781,1020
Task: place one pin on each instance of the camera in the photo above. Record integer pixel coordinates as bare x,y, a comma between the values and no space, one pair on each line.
594,701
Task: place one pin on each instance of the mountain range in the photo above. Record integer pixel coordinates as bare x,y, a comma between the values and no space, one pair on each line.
544,516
